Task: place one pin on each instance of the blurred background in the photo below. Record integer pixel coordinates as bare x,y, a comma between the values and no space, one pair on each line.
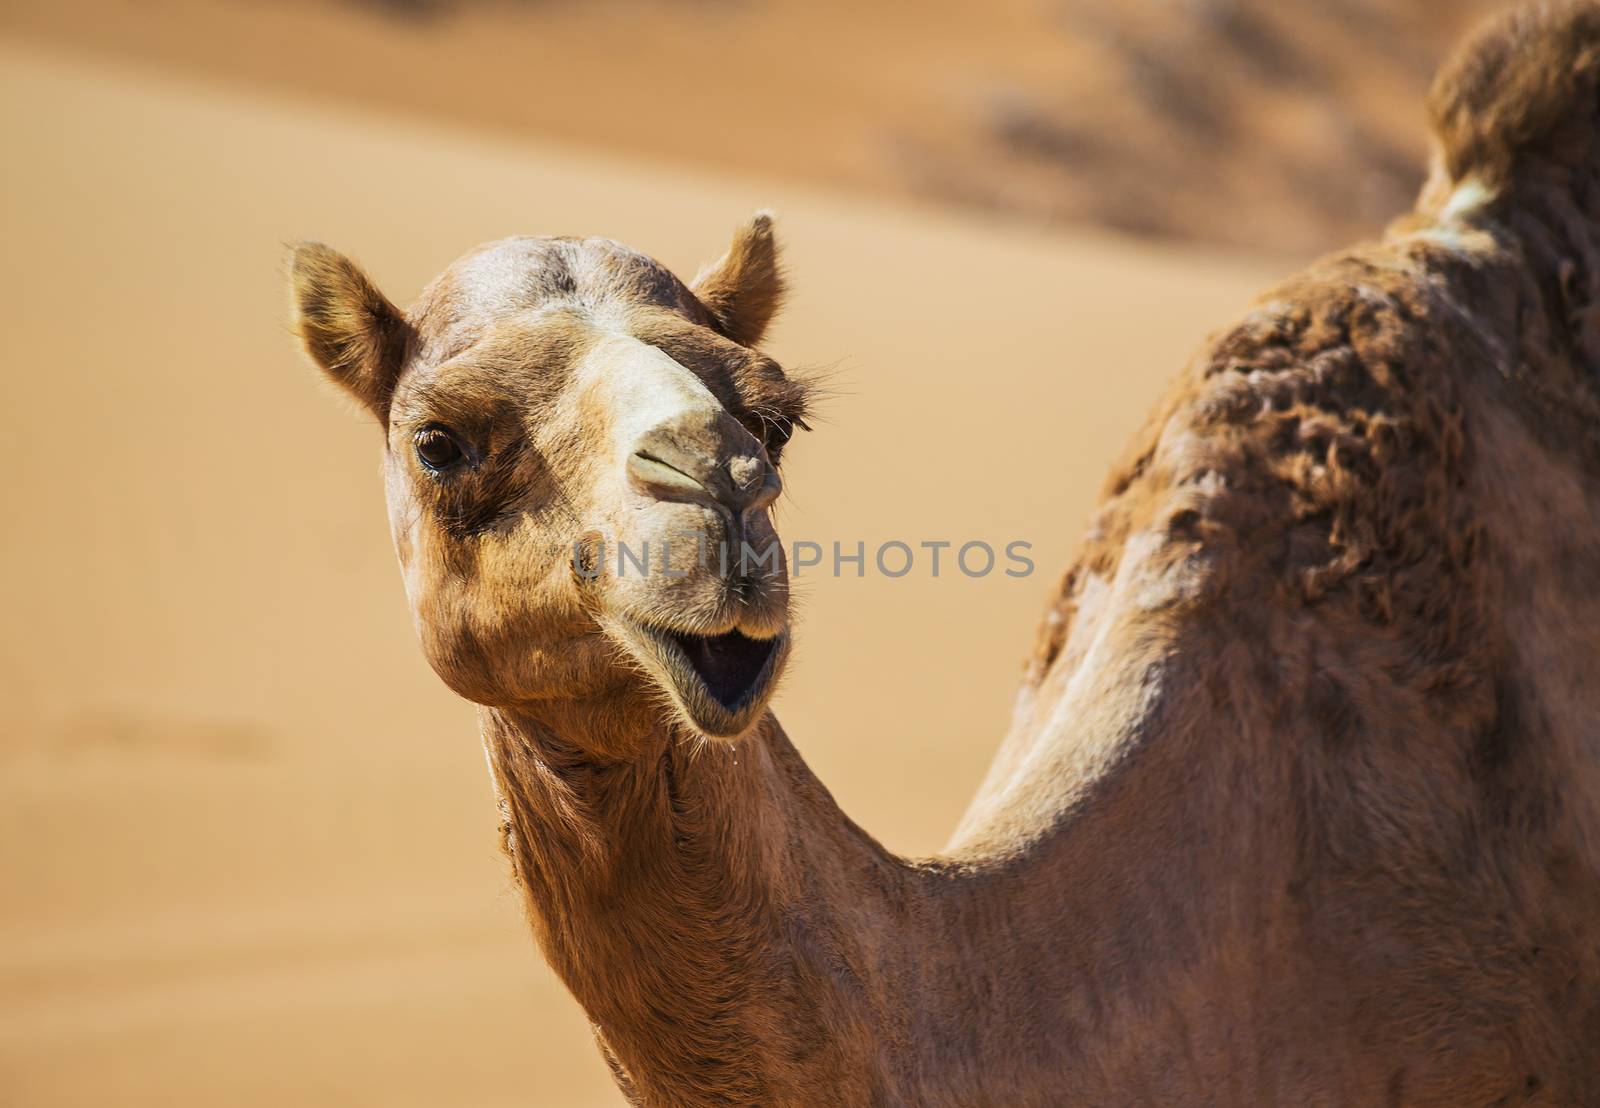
246,838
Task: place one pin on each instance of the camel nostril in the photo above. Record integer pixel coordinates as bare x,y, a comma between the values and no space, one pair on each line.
739,486
664,481
755,482
704,457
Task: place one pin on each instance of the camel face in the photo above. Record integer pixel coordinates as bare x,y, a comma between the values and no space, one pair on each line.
580,467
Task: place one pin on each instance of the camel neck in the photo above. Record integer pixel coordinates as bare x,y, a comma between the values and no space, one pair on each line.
707,903
735,939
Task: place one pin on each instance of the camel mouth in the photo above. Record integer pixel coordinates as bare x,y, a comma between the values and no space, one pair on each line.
729,665
719,683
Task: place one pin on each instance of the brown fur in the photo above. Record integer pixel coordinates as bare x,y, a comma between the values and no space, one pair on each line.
1301,803
743,288
348,326
1522,91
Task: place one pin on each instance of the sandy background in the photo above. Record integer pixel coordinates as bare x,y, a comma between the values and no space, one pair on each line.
246,838
1280,126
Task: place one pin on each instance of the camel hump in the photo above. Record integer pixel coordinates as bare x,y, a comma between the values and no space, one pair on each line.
1522,90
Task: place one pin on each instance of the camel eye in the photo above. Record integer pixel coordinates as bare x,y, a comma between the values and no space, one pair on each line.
437,449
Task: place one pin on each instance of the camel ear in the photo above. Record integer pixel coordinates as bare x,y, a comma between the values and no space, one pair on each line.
744,288
347,326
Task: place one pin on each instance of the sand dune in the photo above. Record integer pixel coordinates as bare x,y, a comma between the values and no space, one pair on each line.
245,836
1283,126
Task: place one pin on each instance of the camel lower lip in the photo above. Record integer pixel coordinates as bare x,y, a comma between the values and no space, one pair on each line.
731,665
719,683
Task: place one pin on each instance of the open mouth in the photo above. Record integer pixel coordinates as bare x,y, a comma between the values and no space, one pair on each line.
721,683
732,665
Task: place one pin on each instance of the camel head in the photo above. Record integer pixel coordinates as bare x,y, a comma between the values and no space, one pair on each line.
581,456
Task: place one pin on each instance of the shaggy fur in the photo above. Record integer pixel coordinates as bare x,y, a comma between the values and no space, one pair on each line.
1301,803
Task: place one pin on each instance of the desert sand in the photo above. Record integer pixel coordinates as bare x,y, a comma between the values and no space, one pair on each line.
1282,126
246,837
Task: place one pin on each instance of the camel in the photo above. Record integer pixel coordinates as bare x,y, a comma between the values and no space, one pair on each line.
1301,799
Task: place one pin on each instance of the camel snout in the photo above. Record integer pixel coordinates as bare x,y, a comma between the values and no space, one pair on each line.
704,462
